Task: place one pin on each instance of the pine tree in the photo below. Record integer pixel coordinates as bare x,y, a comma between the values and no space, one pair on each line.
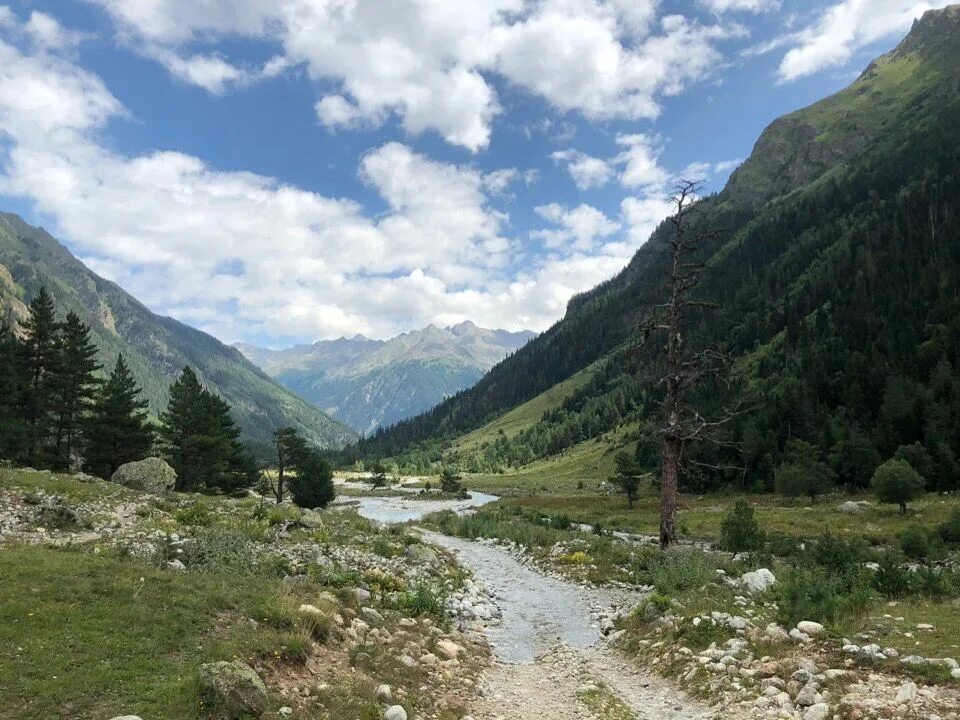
117,430
12,428
40,358
201,440
74,385
182,430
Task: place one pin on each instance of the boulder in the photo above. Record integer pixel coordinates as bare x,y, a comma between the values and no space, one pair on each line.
852,507
395,712
448,649
808,627
906,694
232,690
758,580
820,711
149,475
384,692
421,554
55,514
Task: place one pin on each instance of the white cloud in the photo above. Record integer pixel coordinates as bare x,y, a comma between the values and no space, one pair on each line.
842,29
754,6
643,214
428,62
587,171
210,72
48,32
579,228
640,159
240,254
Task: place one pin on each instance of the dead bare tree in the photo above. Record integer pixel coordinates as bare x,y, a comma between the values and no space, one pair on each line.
682,424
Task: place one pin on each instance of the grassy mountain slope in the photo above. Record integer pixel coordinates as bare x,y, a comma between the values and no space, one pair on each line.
373,383
836,274
156,348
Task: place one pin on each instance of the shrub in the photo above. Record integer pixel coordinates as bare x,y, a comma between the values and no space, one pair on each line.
836,555
915,542
577,558
220,550
196,514
312,486
896,482
674,574
740,531
892,579
423,599
803,480
816,595
949,530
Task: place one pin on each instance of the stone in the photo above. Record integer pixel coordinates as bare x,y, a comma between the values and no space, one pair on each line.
176,565
758,580
807,695
807,627
820,711
776,633
371,615
127,717
151,475
851,507
448,649
55,514
906,694
395,712
361,595
233,690
421,554
384,693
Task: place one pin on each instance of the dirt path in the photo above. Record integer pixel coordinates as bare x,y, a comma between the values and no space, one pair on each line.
558,685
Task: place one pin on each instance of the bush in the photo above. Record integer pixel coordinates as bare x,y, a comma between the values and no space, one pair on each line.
674,574
915,542
219,550
312,486
836,555
896,482
806,480
949,530
423,599
740,531
891,579
816,595
196,514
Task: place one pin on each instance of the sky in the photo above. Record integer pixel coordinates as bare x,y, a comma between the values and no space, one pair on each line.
283,171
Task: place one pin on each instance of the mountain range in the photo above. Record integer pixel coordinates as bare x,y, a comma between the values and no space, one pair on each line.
836,270
369,384
156,348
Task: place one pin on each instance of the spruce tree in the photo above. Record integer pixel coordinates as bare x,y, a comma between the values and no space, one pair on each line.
74,384
201,440
12,428
117,430
40,353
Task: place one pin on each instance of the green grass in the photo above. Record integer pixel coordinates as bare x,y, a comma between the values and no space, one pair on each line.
604,704
83,636
587,464
525,415
63,485
700,516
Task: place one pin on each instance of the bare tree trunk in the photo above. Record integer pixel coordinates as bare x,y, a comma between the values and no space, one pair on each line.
670,458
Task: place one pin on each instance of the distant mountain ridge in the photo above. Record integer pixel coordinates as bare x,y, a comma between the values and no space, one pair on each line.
369,384
156,347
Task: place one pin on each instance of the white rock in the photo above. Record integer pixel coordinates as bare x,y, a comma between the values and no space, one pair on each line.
758,580
384,692
820,711
807,627
395,712
906,694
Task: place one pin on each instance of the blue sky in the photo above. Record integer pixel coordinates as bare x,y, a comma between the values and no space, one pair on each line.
281,171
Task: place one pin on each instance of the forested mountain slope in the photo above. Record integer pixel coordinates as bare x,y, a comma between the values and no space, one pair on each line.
838,275
373,383
156,348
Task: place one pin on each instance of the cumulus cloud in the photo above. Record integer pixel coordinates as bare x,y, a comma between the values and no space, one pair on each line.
240,254
430,63
587,171
754,6
578,229
841,30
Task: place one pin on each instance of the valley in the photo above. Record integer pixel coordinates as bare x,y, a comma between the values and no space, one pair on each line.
719,479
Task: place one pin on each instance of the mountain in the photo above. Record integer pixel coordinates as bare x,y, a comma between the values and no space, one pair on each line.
374,383
837,273
156,348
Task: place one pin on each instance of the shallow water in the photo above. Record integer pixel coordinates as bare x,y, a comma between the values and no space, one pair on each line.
537,610
401,509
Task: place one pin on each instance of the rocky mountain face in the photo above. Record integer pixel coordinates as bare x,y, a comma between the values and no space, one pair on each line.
834,271
156,348
369,384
